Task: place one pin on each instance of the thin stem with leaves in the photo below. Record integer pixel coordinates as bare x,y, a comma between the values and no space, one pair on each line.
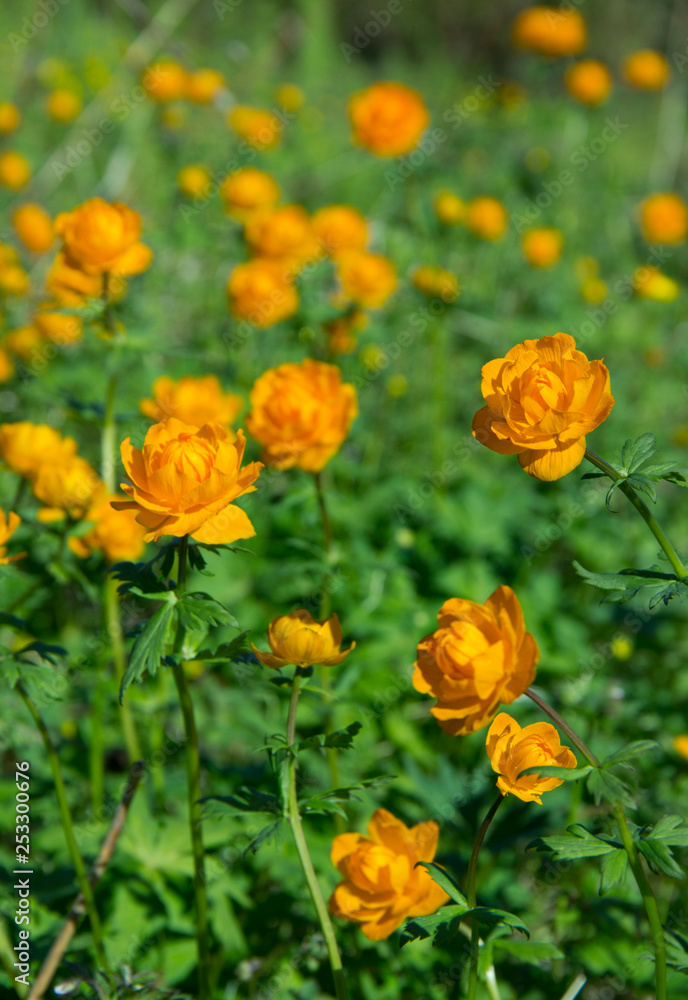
470,894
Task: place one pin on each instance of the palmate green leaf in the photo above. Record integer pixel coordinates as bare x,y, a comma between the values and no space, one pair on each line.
676,951
614,869
341,739
226,652
249,800
623,586
660,857
199,611
635,452
445,880
678,588
532,952
668,830
576,843
140,579
273,831
605,786
492,918
331,801
636,749
150,645
563,773
441,926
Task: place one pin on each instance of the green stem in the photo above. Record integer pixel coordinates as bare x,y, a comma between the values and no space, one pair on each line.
114,631
651,908
68,828
293,817
96,748
644,511
193,784
470,893
109,437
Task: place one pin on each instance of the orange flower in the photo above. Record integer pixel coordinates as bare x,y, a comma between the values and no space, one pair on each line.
680,745
542,247
650,283
23,342
70,286
589,81
283,233
382,886
486,217
388,118
60,328
248,189
63,105
25,447
194,180
479,657
367,279
290,97
184,480
8,526
165,81
34,227
342,331
15,171
542,399
664,218
67,487
10,116
204,85
449,208
194,401
339,228
301,414
13,280
261,292
550,31
647,70
100,238
7,368
298,640
512,750
117,534
435,282
258,127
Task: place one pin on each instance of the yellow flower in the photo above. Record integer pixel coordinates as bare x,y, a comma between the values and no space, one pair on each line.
664,218
646,70
67,487
388,118
339,228
680,745
594,290
115,533
70,286
589,81
194,401
184,480
10,116
261,292
7,368
542,247
60,328
100,238
650,283
550,31
298,640
63,105
22,342
248,190
13,280
542,399
284,233
25,447
449,208
513,750
258,127
479,657
194,181
15,171
435,282
382,886
487,218
367,279
165,81
301,414
8,526
34,227
290,97
341,332
204,85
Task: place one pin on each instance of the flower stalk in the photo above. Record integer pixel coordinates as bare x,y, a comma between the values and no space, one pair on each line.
470,892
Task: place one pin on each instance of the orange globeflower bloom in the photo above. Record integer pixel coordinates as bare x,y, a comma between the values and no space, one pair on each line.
261,292
589,81
367,279
382,886
192,400
10,116
15,171
542,247
339,228
487,218
34,227
58,327
65,488
184,480
204,85
298,640
680,745
115,533
646,70
301,414
388,118
23,342
435,282
25,447
8,526
479,657
650,283
63,105
70,286
101,237
549,31
664,218
284,233
341,332
512,750
165,81
247,190
260,128
542,399
194,181
449,208
13,280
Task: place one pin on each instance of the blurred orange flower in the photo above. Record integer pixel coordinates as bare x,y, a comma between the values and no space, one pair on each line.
680,745
298,640
15,170
261,292
589,81
58,327
34,227
301,414
479,657
542,399
116,534
339,228
367,279
10,116
204,85
101,238
341,332
388,118
258,127
435,282
65,487
512,750
8,525
247,190
192,400
550,31
194,180
487,218
165,81
664,218
449,208
290,97
25,447
382,886
650,283
646,70
184,480
70,286
284,233
542,247
63,105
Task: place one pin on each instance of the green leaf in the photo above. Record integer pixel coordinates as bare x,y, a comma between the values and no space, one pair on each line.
486,915
45,650
441,926
330,802
577,843
676,589
226,652
140,579
634,453
614,868
563,773
660,857
667,829
637,749
149,647
677,951
624,585
249,800
532,952
445,880
643,484
341,739
199,611
606,786
11,620
273,832
679,477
